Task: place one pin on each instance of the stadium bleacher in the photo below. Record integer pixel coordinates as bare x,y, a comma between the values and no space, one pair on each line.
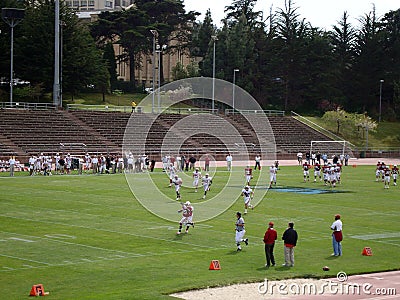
25,132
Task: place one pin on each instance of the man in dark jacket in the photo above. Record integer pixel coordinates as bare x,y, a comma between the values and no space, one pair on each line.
269,241
289,240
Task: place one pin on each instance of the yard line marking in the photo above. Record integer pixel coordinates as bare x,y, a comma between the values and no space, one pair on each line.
25,259
376,236
86,259
28,266
107,230
21,240
8,268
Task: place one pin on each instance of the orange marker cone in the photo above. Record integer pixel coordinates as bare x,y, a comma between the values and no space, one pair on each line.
214,265
367,251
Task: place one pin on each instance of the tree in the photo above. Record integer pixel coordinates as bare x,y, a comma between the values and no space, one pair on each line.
343,38
172,22
81,61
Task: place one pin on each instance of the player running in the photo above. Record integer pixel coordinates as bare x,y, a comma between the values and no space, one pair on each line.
177,182
207,181
172,172
240,231
248,195
196,178
317,172
248,174
272,175
395,173
306,171
386,177
187,217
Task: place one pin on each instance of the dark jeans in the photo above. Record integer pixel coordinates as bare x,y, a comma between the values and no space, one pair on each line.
269,254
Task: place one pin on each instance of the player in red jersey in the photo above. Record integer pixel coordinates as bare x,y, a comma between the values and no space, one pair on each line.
248,174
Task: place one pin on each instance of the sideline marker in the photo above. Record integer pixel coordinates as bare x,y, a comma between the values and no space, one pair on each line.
214,265
367,251
37,290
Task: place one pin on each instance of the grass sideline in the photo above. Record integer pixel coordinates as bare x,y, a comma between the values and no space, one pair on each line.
86,237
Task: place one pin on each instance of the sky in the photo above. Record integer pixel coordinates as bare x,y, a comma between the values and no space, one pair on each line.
320,13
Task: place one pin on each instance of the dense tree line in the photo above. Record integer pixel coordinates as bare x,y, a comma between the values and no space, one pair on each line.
82,62
286,63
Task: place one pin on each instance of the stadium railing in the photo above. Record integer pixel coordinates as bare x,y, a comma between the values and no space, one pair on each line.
231,111
27,105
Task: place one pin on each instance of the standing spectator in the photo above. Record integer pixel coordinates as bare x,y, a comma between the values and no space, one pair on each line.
325,158
300,158
337,236
207,163
269,240
183,161
289,241
57,165
120,164
346,159
61,162
229,161
133,104
11,163
240,231
178,162
318,157
95,164
187,164
258,162
308,157
152,165
313,158
192,161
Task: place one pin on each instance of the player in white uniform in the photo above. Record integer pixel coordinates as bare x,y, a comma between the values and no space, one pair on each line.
395,173
332,175
187,217
317,172
196,178
207,181
171,172
248,195
272,175
248,174
88,160
240,231
68,163
57,164
306,171
386,176
177,182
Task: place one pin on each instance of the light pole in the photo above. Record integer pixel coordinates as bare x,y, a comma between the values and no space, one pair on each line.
233,89
380,99
214,38
159,51
155,36
56,83
12,16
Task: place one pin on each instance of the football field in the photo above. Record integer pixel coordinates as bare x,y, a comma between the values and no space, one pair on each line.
87,237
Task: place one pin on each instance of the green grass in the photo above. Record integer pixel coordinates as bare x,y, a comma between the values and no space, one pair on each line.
92,240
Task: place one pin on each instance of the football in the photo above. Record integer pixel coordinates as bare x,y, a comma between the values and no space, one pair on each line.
326,268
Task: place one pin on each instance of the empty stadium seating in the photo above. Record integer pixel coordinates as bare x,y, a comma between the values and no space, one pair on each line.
26,132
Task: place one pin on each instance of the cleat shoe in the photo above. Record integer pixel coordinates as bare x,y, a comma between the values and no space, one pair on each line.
239,249
267,265
193,224
246,241
178,233
187,231
204,197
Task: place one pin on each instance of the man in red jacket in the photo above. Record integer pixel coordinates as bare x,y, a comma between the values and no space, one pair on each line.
269,241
